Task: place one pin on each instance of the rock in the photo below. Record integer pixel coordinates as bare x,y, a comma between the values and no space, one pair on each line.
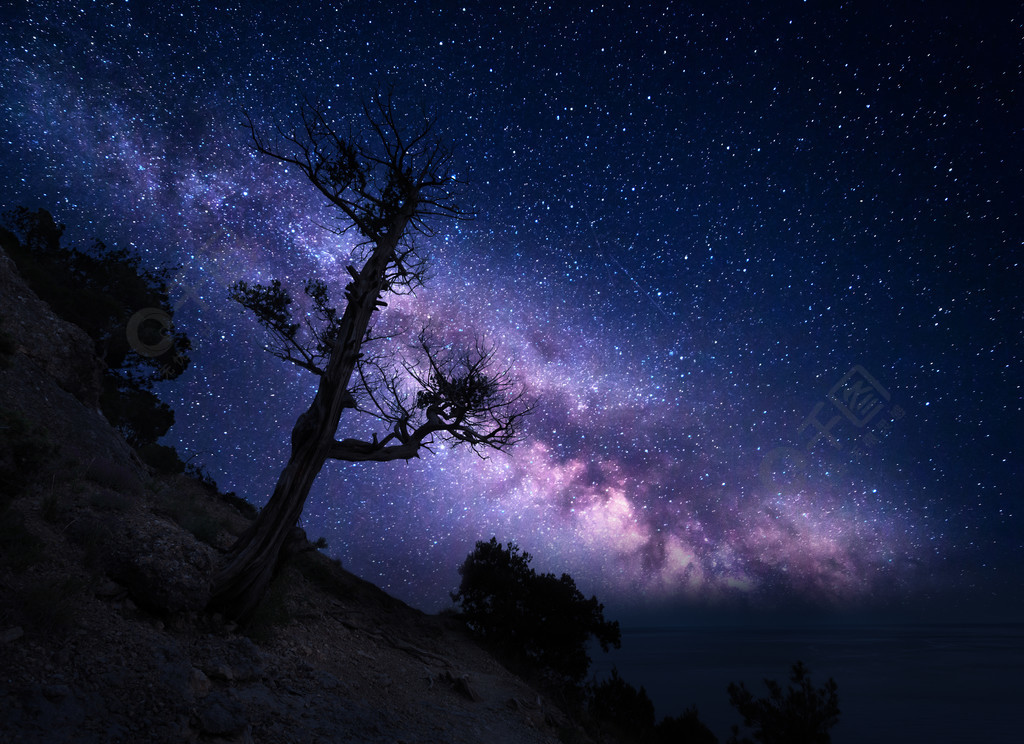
199,683
110,590
296,542
54,377
166,570
461,685
325,680
62,350
260,697
56,692
219,715
172,670
11,634
235,660
116,477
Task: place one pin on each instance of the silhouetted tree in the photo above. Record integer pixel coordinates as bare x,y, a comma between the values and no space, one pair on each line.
684,729
543,621
388,187
103,290
800,714
622,707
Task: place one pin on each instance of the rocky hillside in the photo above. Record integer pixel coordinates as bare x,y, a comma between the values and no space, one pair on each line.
104,567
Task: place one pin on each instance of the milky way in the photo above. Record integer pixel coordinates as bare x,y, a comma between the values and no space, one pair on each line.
693,226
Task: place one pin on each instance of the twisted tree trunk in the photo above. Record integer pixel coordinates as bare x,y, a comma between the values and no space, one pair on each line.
240,583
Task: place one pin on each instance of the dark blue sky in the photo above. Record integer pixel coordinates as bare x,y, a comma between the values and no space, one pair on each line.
695,223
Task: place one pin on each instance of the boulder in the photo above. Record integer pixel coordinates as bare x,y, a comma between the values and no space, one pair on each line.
219,715
60,349
165,569
55,379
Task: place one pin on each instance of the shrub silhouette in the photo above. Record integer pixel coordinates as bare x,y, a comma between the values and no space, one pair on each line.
628,711
99,289
538,620
802,714
684,729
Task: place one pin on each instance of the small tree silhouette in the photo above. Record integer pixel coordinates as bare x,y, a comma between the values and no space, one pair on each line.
684,729
541,621
623,707
100,289
802,714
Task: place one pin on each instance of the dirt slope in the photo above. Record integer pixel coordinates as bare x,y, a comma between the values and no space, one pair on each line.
104,568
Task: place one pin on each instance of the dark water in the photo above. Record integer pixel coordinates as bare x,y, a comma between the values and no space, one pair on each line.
926,684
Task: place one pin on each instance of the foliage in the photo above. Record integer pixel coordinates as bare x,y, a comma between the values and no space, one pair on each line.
239,504
460,394
134,410
390,188
271,304
190,514
540,620
100,289
162,458
390,184
684,729
325,572
800,714
622,707
201,474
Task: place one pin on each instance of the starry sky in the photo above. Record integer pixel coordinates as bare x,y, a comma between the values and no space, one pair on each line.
759,263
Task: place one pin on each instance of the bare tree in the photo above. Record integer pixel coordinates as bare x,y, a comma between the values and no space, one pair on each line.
390,189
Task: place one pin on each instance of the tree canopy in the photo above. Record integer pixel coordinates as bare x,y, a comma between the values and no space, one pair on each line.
800,714
124,307
541,620
391,183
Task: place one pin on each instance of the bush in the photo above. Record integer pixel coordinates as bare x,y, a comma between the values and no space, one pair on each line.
625,709
242,506
100,289
162,458
684,729
541,621
192,515
802,714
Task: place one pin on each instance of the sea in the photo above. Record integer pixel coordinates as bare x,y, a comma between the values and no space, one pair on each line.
905,684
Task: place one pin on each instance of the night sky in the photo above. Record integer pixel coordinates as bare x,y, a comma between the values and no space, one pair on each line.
759,264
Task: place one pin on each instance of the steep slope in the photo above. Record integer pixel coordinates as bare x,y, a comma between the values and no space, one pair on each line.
104,567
